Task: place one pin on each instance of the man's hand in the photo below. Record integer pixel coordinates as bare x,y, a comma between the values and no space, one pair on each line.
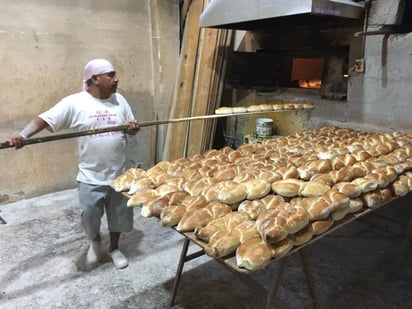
16,141
133,127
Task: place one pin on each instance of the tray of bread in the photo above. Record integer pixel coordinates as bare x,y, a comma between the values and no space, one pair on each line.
260,202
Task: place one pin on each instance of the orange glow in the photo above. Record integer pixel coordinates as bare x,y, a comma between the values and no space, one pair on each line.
310,83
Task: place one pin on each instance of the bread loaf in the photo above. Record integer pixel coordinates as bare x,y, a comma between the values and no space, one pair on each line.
296,218
257,188
232,193
351,190
199,217
251,208
224,110
224,243
171,215
282,248
225,223
253,254
287,187
154,207
272,201
140,184
304,235
271,226
313,188
321,226
141,197
239,109
317,207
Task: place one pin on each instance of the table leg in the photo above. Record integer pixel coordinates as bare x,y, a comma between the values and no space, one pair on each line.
275,283
179,269
309,278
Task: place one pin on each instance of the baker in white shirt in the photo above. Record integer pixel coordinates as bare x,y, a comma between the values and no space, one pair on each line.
102,157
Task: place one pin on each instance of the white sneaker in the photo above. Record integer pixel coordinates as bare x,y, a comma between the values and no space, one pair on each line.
94,253
119,260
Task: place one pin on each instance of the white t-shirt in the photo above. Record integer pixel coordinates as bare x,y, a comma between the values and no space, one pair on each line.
102,157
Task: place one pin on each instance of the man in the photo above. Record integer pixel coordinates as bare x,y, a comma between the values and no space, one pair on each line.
102,157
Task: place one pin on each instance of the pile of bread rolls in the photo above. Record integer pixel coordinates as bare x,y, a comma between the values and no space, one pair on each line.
259,201
265,107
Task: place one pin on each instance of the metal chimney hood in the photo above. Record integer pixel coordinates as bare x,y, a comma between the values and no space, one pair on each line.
240,14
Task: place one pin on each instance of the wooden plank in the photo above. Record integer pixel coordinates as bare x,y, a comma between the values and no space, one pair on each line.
202,89
180,107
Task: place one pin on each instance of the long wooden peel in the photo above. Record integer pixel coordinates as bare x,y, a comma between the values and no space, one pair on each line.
55,137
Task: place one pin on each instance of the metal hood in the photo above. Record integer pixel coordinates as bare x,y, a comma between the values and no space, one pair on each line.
240,14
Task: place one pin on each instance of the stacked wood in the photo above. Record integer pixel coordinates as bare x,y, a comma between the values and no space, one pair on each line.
198,86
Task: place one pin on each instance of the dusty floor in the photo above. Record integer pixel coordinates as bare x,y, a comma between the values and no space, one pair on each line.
43,252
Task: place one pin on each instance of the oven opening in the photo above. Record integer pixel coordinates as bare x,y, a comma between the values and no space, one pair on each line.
307,72
324,71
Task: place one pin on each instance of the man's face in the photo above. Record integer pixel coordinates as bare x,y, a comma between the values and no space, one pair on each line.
107,82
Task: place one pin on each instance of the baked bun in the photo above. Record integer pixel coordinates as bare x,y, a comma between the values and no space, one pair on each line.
254,108
224,110
253,254
239,109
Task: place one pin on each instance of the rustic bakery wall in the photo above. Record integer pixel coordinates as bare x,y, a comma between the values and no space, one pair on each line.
44,45
378,97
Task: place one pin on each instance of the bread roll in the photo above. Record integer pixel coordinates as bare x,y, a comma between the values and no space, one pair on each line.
366,184
154,207
232,193
224,110
317,207
287,187
253,254
271,226
171,215
225,223
351,190
325,178
194,202
277,106
140,184
272,201
239,109
336,200
251,208
304,235
141,197
321,226
313,188
254,108
165,189
266,107
224,243
355,204
257,188
199,217
282,248
296,218
400,186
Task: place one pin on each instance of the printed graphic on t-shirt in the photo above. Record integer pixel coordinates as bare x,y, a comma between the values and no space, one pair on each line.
104,119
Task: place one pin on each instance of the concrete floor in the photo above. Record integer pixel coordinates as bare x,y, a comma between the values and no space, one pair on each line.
43,252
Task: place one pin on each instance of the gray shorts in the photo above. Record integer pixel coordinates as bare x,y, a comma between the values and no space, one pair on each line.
94,200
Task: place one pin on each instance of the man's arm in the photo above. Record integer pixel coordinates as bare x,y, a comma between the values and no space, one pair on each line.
33,127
